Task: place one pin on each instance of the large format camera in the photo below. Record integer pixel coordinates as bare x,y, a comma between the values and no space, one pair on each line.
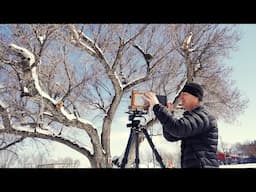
138,103
139,107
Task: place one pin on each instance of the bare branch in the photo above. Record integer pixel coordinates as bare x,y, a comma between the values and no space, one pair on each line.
12,143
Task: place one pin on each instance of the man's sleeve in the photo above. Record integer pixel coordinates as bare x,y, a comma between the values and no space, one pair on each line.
186,126
163,118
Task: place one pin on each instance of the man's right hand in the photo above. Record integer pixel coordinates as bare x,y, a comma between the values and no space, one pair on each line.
151,98
169,106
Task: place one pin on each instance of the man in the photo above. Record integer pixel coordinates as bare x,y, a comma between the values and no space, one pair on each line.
197,129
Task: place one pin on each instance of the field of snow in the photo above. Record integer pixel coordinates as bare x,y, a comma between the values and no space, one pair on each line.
246,165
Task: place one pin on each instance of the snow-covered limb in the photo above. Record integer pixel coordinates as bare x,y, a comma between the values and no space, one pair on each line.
25,89
38,87
85,121
3,104
31,59
136,81
89,42
30,127
46,133
186,43
59,109
41,38
86,43
89,45
24,52
69,116
47,113
76,37
120,84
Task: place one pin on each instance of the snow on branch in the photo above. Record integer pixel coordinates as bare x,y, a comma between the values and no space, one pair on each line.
92,44
89,45
3,104
187,42
76,37
46,133
47,113
88,41
30,57
93,49
136,81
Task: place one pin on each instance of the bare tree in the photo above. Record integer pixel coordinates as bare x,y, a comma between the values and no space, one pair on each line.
56,79
247,148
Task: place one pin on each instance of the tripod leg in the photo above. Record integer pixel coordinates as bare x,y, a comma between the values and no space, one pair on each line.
127,149
137,160
158,157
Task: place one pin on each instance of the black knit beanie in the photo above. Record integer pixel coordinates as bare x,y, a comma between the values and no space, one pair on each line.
194,89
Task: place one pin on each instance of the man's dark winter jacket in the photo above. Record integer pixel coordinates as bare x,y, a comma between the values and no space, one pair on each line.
198,132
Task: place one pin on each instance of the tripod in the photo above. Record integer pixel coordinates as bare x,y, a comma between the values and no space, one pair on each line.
134,132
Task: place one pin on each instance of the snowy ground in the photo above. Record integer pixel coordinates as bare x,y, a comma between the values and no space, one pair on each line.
246,165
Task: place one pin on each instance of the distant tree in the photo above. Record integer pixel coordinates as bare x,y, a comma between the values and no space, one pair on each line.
247,148
57,81
251,150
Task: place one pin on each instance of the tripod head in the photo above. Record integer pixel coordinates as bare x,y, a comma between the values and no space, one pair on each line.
134,123
133,115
